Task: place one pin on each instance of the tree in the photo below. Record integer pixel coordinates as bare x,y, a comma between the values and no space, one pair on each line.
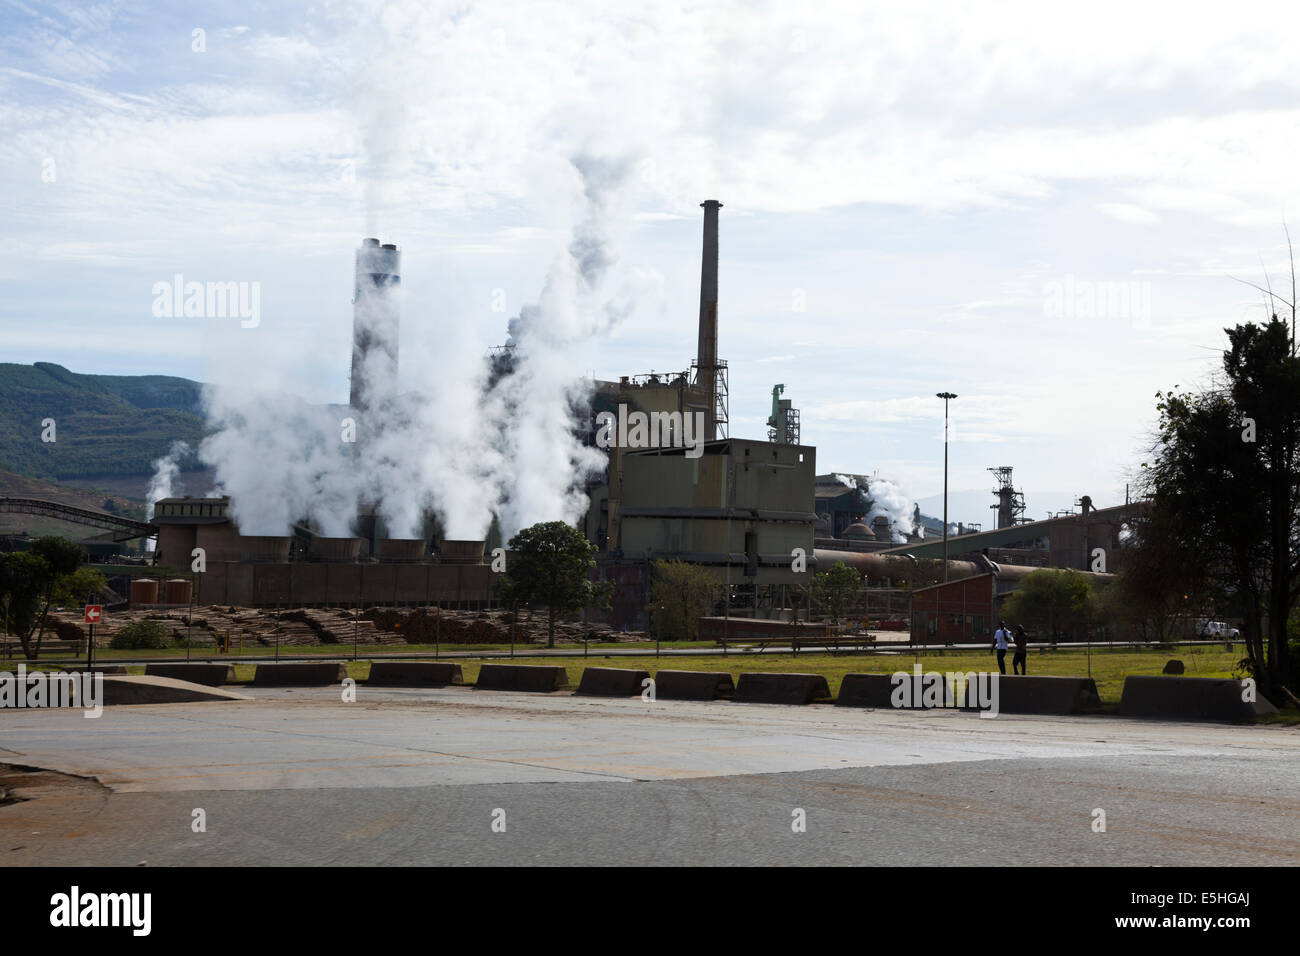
1051,600
835,588
550,566
31,581
20,593
1158,587
1223,485
680,594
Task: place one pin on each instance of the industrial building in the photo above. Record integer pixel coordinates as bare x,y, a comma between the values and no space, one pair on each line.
754,513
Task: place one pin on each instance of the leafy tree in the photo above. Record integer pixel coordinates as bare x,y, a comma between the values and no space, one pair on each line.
1224,488
21,573
1052,601
31,581
680,594
1158,587
72,589
835,588
550,566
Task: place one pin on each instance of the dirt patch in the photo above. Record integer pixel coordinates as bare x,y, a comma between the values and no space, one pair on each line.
19,783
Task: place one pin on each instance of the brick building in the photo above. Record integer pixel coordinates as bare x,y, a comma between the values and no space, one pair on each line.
959,612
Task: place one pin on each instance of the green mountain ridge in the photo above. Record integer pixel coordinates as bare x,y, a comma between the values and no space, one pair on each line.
103,424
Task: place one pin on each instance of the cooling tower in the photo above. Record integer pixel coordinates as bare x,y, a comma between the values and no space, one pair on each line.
375,321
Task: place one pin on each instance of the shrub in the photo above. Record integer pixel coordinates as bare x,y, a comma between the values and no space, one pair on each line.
138,635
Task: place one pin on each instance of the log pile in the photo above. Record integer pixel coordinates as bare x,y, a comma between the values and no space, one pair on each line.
298,626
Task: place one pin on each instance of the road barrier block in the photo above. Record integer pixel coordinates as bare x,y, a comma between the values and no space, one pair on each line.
1047,695
693,685
210,675
866,690
781,689
1017,694
162,690
299,674
530,678
612,682
1190,698
414,674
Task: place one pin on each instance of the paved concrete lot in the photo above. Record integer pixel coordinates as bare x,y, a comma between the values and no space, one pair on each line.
420,776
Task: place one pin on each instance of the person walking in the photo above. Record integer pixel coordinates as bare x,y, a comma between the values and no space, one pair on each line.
1000,639
1020,662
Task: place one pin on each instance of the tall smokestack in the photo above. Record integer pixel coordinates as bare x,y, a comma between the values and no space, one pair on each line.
375,320
706,355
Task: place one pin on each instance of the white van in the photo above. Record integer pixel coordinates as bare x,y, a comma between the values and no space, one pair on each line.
1219,630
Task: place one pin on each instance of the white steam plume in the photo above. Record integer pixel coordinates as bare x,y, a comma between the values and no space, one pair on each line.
543,465
457,446
889,500
163,484
280,460
166,472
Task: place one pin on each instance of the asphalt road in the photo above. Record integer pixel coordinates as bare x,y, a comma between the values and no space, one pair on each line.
419,777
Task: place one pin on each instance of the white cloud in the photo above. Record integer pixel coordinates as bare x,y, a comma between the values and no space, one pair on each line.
920,170
1127,212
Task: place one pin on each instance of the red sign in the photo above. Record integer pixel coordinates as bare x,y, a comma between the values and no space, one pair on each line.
93,613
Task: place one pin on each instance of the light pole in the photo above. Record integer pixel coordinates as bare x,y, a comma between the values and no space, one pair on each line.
945,396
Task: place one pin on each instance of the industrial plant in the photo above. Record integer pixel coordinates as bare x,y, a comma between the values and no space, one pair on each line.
753,511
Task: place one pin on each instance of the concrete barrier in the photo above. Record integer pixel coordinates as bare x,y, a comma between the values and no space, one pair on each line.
531,678
693,685
162,690
58,686
866,690
1173,667
211,675
1190,698
299,674
96,669
1047,695
611,682
414,674
1016,694
781,689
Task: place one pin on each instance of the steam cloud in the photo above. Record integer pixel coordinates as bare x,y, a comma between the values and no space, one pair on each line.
164,483
468,447
886,498
890,500
166,472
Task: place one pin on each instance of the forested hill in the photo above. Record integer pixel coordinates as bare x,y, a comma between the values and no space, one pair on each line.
103,424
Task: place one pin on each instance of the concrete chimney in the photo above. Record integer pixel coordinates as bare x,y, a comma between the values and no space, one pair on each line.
706,355
375,320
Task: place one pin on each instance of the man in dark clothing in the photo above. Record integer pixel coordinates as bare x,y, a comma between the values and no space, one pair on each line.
1020,662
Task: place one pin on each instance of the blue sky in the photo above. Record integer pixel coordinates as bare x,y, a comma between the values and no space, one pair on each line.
906,195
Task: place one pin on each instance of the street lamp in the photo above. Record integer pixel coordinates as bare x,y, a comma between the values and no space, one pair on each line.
945,396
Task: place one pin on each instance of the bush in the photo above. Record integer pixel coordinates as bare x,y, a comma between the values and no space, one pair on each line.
680,594
139,635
